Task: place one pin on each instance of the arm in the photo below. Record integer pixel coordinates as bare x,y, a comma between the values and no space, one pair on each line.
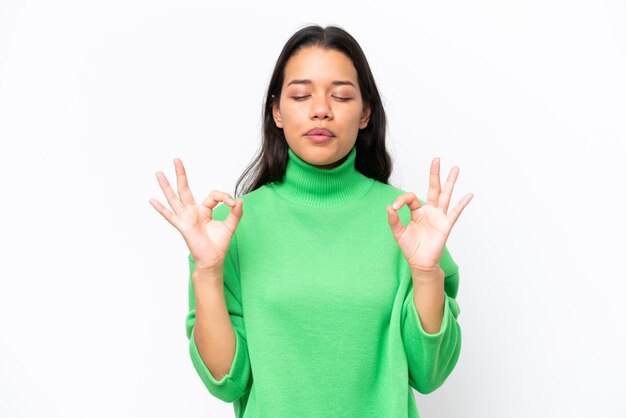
216,331
432,343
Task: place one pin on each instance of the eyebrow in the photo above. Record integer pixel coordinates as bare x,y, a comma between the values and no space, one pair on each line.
335,83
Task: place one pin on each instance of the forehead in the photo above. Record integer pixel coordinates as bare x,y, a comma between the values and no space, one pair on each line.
321,66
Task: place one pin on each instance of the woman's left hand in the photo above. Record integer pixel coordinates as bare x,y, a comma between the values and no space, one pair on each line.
422,241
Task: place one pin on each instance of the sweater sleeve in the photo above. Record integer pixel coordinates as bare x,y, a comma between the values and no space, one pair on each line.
432,357
237,382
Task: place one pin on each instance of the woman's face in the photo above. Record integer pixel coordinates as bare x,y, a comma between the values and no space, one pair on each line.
320,90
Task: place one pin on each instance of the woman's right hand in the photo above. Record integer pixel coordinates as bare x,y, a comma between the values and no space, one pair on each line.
207,239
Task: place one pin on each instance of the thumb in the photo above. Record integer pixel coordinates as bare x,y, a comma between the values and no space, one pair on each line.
234,216
394,222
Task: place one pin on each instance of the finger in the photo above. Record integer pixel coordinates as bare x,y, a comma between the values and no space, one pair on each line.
456,211
393,219
233,218
409,199
183,187
214,198
171,197
167,214
446,193
434,186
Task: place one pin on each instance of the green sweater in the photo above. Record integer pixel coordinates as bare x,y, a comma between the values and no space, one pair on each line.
321,300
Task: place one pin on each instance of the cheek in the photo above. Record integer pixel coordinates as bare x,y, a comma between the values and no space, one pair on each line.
351,117
294,116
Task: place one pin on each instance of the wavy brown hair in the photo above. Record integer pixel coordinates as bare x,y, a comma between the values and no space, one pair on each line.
372,158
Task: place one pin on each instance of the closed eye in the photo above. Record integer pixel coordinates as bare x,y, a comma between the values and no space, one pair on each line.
343,99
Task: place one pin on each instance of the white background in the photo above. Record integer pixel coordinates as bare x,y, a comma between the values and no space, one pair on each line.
528,98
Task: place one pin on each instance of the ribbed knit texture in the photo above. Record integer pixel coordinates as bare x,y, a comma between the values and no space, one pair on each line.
321,300
306,184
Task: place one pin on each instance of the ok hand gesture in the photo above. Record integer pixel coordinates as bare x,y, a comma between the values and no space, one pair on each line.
207,239
422,241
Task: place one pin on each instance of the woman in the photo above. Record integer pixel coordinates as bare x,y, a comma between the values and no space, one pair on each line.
316,304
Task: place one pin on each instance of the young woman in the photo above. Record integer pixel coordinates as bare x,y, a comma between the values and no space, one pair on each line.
335,294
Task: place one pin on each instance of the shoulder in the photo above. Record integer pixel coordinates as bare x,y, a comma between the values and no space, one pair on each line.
389,190
387,193
221,211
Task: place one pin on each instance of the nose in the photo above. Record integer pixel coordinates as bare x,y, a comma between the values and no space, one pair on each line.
320,108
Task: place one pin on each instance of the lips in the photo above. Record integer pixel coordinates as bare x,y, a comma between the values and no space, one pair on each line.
320,132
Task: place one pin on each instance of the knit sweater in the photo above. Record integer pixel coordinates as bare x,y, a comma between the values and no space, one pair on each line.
321,300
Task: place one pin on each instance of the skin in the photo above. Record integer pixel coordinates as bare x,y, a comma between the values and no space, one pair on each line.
423,239
322,104
339,108
317,103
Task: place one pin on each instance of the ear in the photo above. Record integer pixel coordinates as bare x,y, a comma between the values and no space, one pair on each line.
365,116
276,114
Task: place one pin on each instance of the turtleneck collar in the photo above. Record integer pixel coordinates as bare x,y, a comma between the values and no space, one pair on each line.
309,185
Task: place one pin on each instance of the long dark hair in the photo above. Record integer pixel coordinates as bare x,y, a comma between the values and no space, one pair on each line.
372,158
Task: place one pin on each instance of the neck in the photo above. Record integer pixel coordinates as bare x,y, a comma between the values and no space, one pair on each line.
311,185
333,165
